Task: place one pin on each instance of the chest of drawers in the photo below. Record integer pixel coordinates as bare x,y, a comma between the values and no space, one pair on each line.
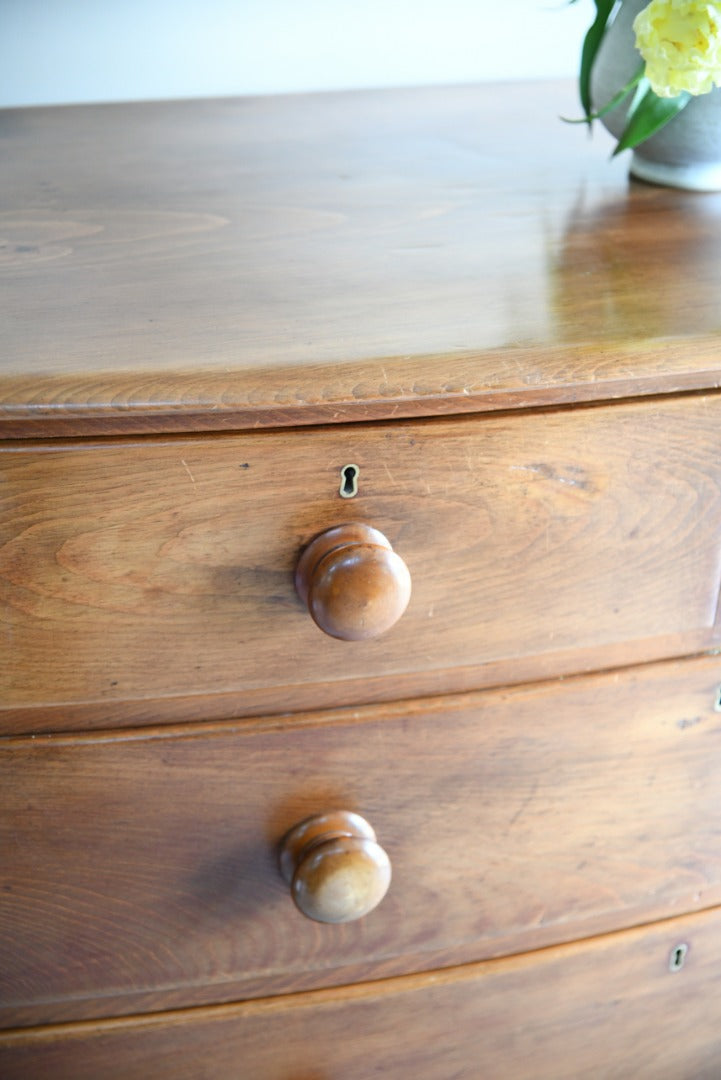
361,458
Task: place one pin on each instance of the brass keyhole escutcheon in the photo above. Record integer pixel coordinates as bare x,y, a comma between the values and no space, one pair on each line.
349,481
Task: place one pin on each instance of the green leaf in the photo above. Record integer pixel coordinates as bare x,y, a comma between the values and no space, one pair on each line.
648,115
591,44
615,101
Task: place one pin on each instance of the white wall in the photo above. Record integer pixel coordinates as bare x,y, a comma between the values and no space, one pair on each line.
107,50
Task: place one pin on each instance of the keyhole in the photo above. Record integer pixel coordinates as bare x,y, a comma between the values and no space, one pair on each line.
349,481
678,957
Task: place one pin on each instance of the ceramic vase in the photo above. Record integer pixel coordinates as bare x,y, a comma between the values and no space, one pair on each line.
686,153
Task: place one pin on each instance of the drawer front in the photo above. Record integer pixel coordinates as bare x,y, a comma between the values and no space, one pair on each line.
154,580
616,1006
140,870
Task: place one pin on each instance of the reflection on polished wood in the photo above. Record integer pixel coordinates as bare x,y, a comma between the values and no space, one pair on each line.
440,254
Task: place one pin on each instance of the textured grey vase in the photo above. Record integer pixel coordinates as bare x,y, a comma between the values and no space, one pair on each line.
686,153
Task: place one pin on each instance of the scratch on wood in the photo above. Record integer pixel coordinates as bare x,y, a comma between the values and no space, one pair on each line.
525,804
187,469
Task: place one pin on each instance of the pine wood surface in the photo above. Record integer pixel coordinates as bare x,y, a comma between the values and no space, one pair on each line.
305,259
136,573
608,1007
140,870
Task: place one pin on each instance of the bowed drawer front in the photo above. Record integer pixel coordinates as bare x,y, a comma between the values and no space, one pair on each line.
551,1015
139,575
143,869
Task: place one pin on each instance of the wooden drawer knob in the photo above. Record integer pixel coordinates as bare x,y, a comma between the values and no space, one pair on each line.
353,582
336,869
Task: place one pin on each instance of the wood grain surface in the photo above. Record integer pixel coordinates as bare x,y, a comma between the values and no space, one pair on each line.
135,574
183,282
610,1007
306,259
139,869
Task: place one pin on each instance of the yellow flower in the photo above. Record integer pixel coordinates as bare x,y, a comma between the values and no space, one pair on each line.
680,40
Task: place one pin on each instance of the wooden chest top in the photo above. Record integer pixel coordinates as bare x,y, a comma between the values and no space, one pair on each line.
225,264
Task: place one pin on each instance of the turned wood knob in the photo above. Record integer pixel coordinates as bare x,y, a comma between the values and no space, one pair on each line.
353,582
336,869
